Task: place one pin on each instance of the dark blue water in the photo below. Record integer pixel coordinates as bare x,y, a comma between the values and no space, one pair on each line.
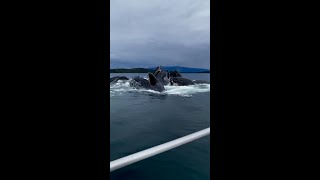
142,119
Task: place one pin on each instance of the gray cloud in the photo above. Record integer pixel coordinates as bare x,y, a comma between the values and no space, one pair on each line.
160,32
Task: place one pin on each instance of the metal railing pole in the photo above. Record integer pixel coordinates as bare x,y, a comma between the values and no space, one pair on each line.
125,161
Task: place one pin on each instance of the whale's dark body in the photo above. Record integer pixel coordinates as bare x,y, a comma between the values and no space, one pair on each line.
175,74
175,78
158,80
117,78
153,83
139,82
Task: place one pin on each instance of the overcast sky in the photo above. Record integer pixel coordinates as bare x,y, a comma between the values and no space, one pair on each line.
148,33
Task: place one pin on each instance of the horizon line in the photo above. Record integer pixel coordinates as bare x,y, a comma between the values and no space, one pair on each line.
158,66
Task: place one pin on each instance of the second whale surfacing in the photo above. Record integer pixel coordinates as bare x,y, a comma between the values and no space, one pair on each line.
175,78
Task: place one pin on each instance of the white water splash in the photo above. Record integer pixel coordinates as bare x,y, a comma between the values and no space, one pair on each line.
122,87
187,91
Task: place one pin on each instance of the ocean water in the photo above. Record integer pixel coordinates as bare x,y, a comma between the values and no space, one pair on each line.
141,119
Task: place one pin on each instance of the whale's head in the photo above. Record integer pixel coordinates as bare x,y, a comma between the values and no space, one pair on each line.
155,84
162,75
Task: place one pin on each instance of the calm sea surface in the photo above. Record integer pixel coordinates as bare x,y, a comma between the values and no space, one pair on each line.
141,119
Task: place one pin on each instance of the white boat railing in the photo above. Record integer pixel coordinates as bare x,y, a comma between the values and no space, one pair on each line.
125,161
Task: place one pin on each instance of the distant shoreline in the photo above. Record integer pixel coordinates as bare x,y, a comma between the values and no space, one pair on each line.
151,70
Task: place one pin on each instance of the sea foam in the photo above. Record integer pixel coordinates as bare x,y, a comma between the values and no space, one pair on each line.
122,87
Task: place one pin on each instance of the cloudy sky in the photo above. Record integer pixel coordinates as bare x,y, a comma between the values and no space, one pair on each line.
148,33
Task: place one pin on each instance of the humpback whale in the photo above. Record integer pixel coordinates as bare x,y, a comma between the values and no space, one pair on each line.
175,74
153,83
175,78
181,81
158,80
117,78
162,76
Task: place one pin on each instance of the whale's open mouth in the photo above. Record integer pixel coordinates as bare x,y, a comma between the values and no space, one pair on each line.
152,79
157,71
